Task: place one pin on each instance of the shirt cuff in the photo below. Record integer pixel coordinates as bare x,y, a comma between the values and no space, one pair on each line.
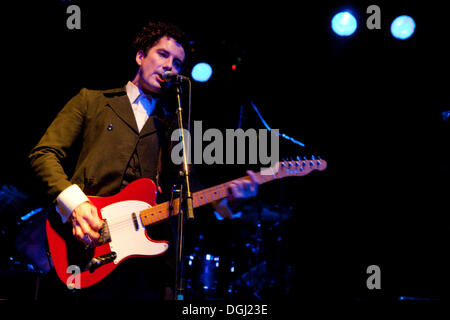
68,200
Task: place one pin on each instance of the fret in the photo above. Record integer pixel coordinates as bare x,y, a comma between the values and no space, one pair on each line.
195,202
205,196
163,211
202,196
151,215
208,195
199,199
215,195
144,219
159,213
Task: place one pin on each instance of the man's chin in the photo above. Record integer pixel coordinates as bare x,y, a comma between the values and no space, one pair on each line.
152,89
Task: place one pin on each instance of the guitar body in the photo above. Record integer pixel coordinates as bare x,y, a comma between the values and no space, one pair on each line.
126,237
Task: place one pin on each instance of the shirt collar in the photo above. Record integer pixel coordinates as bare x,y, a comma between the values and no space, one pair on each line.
133,92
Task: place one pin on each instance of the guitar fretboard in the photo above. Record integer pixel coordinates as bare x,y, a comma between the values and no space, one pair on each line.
163,211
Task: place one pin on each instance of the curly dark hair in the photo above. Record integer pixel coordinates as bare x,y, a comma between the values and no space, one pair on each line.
154,31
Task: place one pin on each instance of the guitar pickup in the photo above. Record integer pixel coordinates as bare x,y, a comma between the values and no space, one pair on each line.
100,261
135,221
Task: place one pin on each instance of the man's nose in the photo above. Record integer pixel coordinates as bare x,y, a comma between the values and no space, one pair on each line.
168,65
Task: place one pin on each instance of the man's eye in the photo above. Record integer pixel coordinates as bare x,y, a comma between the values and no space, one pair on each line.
163,54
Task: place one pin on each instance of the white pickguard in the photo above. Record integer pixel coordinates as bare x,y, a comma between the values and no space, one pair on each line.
125,239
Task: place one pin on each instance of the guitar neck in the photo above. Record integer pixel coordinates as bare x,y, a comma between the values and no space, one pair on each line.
163,211
280,170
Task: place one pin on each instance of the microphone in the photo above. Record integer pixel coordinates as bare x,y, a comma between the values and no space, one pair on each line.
169,76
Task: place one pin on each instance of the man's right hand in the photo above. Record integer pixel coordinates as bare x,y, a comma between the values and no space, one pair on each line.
86,223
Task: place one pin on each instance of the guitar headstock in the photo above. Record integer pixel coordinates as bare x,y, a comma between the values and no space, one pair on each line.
298,167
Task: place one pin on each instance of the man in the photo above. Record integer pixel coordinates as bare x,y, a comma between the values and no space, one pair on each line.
124,135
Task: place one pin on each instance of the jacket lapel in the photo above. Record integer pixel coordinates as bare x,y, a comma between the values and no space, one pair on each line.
155,121
122,107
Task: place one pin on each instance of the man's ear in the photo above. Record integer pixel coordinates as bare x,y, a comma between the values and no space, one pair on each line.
139,57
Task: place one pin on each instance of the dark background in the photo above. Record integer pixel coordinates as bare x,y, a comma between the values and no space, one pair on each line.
369,104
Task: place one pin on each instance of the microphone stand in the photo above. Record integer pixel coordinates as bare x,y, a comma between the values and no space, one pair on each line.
185,203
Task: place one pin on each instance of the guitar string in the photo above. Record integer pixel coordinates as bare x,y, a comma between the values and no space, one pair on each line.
201,195
157,216
125,221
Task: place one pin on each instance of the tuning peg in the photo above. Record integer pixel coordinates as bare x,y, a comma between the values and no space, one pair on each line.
319,162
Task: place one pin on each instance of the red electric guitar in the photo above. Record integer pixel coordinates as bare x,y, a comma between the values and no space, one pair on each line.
125,216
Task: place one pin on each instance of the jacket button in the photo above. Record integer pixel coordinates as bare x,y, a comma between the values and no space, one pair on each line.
110,127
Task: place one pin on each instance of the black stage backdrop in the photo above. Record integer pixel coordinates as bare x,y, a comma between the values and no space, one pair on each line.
369,104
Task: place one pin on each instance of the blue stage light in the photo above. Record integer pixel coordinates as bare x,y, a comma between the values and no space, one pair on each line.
344,23
403,27
201,72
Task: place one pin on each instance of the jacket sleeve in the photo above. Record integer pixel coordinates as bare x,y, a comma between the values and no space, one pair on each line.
47,157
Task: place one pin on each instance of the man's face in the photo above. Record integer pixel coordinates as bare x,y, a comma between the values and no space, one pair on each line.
166,55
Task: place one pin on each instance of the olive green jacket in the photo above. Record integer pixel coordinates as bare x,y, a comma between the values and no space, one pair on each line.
99,128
